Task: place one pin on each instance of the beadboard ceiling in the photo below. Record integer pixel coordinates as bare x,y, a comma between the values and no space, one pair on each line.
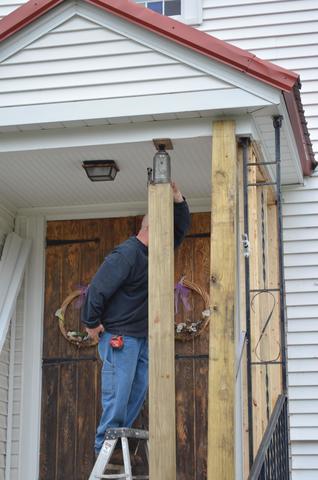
55,178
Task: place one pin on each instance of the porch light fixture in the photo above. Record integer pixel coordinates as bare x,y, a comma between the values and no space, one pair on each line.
100,170
161,166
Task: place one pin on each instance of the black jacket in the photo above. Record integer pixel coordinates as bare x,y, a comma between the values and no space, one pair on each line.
118,294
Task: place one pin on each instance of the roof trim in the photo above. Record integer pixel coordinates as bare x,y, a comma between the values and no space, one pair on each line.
300,130
178,32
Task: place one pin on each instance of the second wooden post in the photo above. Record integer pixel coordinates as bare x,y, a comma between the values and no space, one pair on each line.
221,431
162,422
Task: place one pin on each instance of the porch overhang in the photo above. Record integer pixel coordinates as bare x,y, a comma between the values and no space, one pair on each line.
203,51
50,161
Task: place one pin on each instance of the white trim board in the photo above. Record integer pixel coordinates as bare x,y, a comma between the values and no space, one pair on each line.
36,29
219,101
29,441
110,210
288,131
12,267
118,134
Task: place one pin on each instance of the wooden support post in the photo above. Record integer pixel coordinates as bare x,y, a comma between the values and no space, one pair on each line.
221,432
273,282
162,423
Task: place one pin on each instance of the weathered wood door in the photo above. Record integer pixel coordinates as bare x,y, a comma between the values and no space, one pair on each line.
70,391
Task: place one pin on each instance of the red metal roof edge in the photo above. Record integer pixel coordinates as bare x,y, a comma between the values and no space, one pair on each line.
183,34
196,40
300,130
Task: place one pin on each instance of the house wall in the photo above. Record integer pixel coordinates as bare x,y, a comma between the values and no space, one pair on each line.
283,32
301,272
6,226
4,397
14,419
286,33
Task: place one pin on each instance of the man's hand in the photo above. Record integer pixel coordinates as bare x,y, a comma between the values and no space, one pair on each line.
177,195
94,332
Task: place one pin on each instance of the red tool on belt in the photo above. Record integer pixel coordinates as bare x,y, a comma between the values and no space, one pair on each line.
117,342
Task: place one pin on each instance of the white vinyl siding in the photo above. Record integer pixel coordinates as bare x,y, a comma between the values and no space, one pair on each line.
283,32
16,387
4,394
83,61
301,271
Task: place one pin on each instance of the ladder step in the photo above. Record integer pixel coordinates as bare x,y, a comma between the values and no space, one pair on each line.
113,435
115,476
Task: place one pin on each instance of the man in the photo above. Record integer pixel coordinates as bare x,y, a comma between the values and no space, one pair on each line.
116,309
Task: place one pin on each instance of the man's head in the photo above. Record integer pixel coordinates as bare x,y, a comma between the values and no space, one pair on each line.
143,234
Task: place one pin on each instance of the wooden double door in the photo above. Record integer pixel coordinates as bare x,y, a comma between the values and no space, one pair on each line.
71,376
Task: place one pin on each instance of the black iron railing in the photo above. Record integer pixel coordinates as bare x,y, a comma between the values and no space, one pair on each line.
272,459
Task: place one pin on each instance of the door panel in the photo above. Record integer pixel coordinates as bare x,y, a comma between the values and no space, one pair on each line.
193,260
71,389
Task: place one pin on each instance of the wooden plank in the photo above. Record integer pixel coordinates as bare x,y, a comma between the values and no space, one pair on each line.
85,417
273,282
185,403
263,351
53,300
162,429
87,371
49,432
258,377
201,275
67,415
221,438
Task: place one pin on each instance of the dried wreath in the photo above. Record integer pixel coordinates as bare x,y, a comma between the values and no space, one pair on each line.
80,339
190,329
183,330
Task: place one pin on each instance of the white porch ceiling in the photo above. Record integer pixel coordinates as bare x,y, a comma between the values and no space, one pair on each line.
56,178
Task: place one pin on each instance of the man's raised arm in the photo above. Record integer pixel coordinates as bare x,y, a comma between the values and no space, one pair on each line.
181,215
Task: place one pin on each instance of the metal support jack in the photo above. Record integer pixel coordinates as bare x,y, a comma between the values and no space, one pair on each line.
277,122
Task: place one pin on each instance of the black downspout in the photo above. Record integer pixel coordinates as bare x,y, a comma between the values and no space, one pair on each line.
277,122
245,144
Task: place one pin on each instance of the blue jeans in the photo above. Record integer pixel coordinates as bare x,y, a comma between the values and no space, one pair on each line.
124,383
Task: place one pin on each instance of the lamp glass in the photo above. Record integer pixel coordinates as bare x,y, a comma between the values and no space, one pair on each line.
100,170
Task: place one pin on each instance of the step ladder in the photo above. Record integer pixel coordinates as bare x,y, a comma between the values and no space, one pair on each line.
112,436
